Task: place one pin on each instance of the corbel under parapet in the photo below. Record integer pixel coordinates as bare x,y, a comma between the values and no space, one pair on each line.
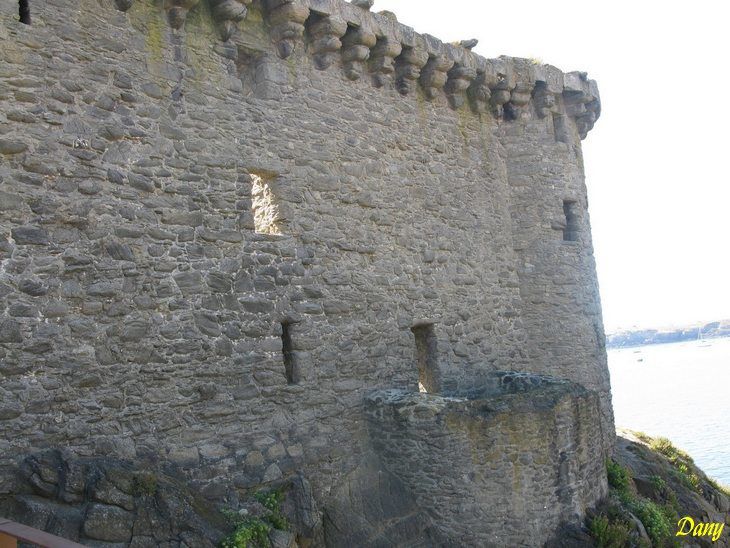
548,86
177,11
227,14
584,114
582,101
435,75
408,67
382,60
356,46
286,18
501,94
391,51
519,100
325,34
544,99
460,79
479,93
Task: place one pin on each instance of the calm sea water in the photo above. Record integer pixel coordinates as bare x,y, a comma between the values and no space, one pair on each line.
680,391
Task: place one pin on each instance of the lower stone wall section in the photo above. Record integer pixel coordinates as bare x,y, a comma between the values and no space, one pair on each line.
507,462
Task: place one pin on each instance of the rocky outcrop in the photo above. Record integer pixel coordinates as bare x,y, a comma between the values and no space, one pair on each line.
657,497
139,505
685,488
109,500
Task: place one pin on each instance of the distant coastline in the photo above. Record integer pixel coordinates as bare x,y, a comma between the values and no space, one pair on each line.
643,337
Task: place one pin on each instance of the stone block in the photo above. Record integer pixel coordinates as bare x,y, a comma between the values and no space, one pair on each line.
10,331
30,235
12,146
190,282
108,523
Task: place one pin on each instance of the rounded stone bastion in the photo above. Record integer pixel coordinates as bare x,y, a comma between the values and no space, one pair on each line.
508,461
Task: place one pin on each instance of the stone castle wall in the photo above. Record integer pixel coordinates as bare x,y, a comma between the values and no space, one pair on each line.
219,233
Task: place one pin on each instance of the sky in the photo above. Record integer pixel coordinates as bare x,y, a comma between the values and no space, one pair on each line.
657,160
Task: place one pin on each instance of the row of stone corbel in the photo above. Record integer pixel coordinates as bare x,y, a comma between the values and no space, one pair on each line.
376,44
228,13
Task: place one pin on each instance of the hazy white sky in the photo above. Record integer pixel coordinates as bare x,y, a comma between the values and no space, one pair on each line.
656,162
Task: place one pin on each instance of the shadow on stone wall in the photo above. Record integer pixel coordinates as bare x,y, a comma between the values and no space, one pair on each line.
372,507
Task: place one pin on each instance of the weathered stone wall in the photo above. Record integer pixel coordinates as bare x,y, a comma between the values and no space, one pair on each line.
487,466
557,275
172,204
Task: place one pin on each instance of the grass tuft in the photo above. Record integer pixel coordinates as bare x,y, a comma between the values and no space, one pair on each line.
619,477
609,534
253,532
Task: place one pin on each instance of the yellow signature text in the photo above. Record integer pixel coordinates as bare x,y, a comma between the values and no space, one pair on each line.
687,526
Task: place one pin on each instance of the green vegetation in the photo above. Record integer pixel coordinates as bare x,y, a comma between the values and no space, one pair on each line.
619,477
668,485
272,502
253,532
248,532
643,436
608,533
144,485
685,469
667,493
659,484
613,527
659,521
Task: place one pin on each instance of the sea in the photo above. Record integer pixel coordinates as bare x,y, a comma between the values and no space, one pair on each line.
680,391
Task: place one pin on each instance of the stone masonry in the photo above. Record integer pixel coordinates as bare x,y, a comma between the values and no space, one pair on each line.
252,242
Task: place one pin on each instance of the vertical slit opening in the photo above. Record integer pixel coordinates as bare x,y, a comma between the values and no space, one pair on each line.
429,378
291,370
570,232
24,11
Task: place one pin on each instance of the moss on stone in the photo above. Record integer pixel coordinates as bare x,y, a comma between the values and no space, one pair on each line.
151,22
144,484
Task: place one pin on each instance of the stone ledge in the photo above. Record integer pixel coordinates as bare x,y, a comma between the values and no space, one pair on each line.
499,392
